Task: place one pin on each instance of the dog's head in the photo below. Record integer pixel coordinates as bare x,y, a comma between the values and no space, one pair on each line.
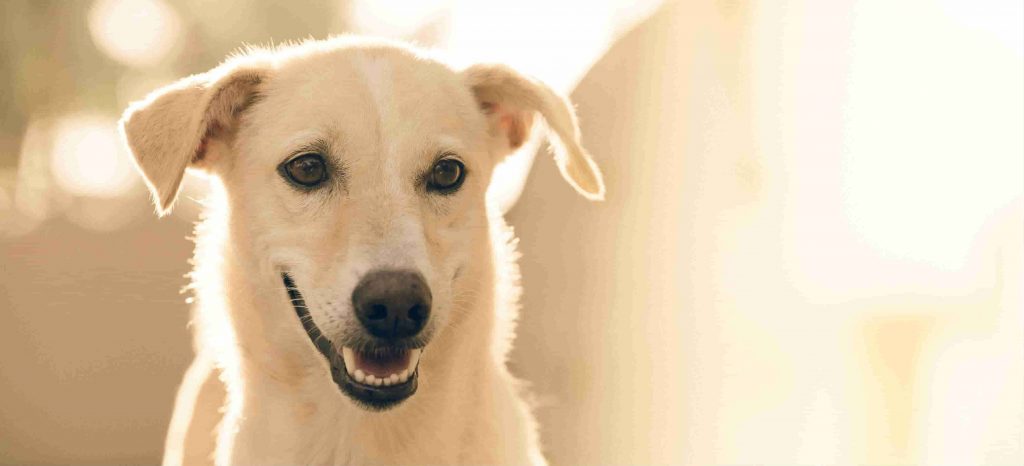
355,175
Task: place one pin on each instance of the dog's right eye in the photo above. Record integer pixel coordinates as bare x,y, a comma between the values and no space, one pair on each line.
305,171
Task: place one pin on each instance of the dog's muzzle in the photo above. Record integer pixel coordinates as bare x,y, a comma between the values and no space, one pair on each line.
380,371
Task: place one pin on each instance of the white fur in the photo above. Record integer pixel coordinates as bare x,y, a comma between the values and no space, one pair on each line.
384,111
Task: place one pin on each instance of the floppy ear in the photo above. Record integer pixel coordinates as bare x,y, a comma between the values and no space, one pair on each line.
510,101
172,127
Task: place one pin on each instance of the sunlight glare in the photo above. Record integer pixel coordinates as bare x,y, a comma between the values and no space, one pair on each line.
134,32
934,150
88,158
395,18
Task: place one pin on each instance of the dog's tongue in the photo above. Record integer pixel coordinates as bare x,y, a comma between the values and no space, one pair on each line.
383,365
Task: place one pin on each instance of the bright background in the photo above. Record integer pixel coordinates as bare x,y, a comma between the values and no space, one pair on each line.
811,251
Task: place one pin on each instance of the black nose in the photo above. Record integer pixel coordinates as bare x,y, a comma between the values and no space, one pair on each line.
392,303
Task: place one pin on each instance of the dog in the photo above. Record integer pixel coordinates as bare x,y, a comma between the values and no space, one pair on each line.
355,289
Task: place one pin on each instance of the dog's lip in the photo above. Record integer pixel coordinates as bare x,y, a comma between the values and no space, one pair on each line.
369,395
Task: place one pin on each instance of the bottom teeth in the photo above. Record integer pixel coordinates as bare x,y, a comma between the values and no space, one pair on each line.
370,379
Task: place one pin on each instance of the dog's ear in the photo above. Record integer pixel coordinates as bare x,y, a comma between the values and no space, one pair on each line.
510,101
172,128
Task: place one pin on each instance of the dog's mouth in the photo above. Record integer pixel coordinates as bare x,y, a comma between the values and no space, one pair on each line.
385,368
377,377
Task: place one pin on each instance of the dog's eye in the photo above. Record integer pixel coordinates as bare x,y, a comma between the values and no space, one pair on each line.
446,175
306,170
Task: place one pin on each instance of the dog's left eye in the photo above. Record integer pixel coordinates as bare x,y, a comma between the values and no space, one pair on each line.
306,170
446,175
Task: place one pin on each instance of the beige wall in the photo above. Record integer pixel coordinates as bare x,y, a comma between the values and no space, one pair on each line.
92,342
734,302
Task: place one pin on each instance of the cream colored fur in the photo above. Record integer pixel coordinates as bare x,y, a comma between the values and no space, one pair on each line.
384,112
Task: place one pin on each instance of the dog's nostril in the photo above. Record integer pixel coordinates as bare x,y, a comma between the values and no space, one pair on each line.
392,303
417,312
377,311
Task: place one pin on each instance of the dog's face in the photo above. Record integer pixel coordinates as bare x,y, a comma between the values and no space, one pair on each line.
363,184
356,176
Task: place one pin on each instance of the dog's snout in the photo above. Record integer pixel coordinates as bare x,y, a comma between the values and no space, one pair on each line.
392,303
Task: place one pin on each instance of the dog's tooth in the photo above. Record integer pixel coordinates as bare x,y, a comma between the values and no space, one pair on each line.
378,382
404,376
371,380
350,359
414,359
360,376
393,379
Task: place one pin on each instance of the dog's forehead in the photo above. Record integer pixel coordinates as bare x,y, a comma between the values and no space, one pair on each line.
371,97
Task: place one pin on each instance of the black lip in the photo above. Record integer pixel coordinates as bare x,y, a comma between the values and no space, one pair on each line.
369,397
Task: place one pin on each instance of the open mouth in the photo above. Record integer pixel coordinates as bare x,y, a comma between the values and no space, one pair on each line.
377,377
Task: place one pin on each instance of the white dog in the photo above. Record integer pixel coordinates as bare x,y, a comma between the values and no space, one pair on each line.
356,292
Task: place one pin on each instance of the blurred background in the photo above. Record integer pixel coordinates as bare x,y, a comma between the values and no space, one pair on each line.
811,251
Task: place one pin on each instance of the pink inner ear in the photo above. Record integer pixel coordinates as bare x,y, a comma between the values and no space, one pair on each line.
213,129
514,127
200,150
510,121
